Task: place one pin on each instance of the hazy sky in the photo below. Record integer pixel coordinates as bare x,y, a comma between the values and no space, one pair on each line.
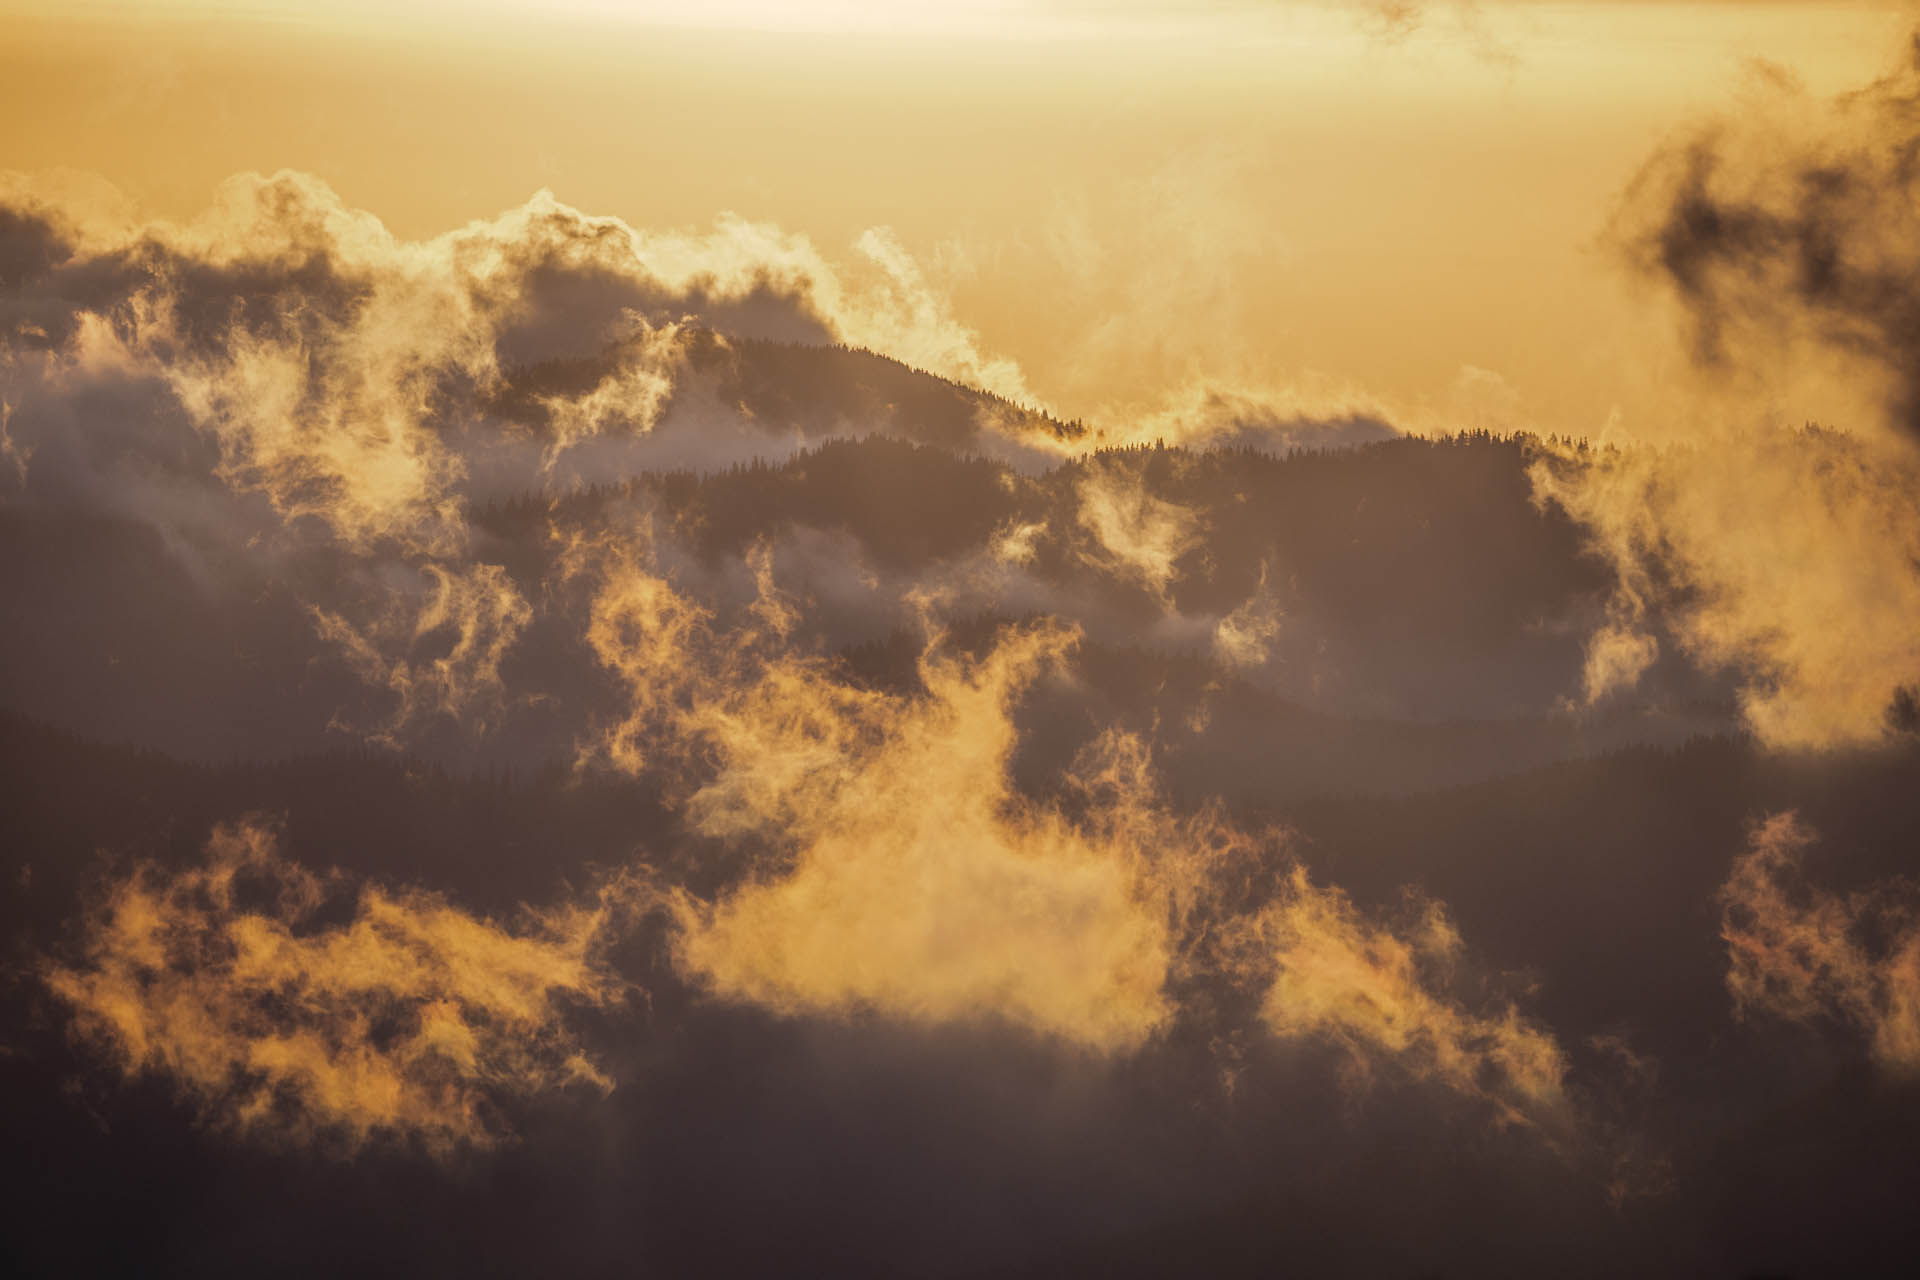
1347,201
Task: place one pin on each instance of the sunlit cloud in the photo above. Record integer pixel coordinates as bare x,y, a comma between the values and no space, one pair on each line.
412,1021
900,873
1805,954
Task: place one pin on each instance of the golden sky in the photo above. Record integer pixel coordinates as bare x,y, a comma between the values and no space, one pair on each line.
1126,198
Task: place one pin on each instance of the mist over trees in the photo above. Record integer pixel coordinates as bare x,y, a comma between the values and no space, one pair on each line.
722,804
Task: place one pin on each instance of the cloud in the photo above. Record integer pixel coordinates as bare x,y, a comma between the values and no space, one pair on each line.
1211,414
1804,954
1244,638
346,394
16,455
343,373
297,399
283,386
847,851
912,322
903,874
471,614
1396,21
920,886
1786,557
414,1020
894,869
1133,533
336,365
1795,228
1373,991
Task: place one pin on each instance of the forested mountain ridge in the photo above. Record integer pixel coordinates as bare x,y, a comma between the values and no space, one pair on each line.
793,390
1409,579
